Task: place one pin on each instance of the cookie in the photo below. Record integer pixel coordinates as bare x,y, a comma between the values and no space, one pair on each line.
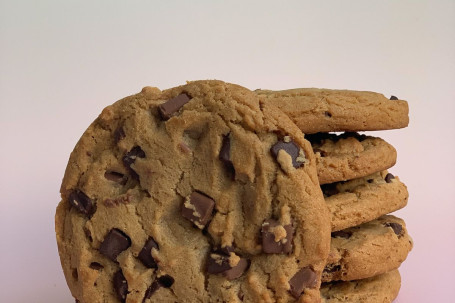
383,288
364,199
199,193
367,250
350,155
323,110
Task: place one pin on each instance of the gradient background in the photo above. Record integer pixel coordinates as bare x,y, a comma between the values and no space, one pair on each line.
61,63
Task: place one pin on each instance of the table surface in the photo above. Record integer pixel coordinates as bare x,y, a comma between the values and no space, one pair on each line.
61,63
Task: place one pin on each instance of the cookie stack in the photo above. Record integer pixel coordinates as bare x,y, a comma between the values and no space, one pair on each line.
368,245
208,192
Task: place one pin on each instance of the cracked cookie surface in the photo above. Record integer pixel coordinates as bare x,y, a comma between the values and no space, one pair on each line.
199,193
367,250
316,110
350,155
364,199
383,288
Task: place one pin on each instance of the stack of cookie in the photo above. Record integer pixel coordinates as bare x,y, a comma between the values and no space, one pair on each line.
208,192
368,245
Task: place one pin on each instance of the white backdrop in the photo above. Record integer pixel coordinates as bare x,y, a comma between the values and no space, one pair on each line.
61,62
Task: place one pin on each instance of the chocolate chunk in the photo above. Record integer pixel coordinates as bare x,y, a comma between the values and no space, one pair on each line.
116,177
388,178
225,155
329,189
290,147
151,290
114,243
81,202
88,233
96,266
397,228
304,278
119,134
237,270
276,238
198,209
328,114
146,253
220,264
393,98
166,281
130,157
331,268
341,234
120,286
370,180
172,106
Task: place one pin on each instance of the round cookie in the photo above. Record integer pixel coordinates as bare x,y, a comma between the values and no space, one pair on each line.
324,110
350,155
367,250
364,199
199,193
379,289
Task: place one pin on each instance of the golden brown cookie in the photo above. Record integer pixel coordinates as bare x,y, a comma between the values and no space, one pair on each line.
199,193
324,110
383,288
364,199
350,155
367,250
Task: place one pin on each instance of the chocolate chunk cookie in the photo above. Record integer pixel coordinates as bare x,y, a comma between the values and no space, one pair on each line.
367,250
199,193
350,155
383,288
324,110
364,199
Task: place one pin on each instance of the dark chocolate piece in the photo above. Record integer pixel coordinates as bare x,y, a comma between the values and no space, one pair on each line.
114,243
329,189
96,266
393,98
119,134
304,278
397,228
81,202
331,268
170,107
130,157
166,281
120,286
388,178
225,155
328,114
219,264
289,147
151,290
341,234
116,177
198,209
146,253
269,243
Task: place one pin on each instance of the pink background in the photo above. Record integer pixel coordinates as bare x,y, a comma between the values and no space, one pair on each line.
61,63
